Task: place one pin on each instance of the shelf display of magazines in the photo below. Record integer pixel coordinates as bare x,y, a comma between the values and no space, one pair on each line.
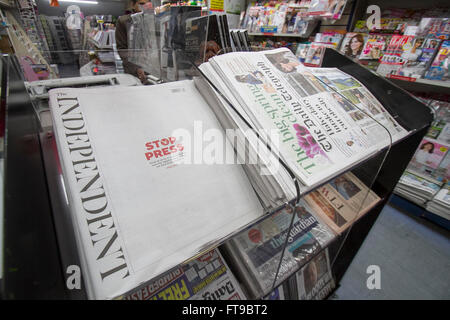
232,183
425,181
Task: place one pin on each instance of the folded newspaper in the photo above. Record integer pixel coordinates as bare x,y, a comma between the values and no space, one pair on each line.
257,251
138,209
315,281
206,278
326,120
342,201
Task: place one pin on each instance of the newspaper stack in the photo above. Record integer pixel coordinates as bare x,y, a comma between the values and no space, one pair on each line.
415,188
139,207
206,278
326,121
257,251
440,204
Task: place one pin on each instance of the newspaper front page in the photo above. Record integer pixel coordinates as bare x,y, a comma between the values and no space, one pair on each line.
318,136
261,246
138,210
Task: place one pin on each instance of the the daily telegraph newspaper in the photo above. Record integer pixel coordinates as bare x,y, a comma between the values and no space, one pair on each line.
137,209
314,281
342,201
206,278
321,131
261,246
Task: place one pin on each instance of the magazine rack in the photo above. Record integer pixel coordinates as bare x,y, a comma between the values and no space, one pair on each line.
40,244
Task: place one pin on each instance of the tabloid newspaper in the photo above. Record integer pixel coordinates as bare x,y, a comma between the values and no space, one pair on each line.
261,246
314,281
321,132
342,201
206,278
138,210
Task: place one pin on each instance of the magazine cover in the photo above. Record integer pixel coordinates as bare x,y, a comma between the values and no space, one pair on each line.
443,197
396,54
418,55
352,44
429,154
315,281
374,47
302,51
342,201
279,293
206,278
439,69
315,54
330,38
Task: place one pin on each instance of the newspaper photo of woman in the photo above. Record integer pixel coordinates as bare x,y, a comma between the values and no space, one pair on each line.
284,61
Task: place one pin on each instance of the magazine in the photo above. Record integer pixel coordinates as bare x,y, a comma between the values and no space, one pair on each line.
131,192
352,44
394,57
319,134
260,246
342,201
428,156
315,281
206,278
302,51
418,55
374,47
315,54
439,69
